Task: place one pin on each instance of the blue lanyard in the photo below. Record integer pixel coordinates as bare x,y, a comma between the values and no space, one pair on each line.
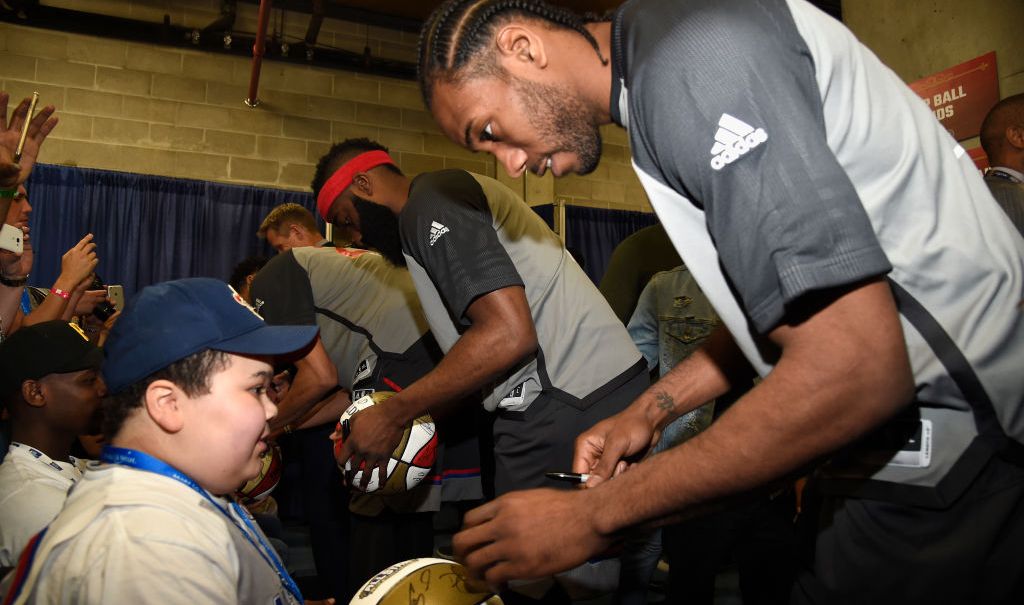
145,462
26,302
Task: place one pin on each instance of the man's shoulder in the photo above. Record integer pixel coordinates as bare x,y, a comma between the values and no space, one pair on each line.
436,197
32,502
1004,186
282,266
146,506
439,181
695,24
28,501
308,255
440,189
678,53
21,478
280,260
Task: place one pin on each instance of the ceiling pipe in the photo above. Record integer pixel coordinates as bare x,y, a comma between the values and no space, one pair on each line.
257,52
179,36
226,21
316,19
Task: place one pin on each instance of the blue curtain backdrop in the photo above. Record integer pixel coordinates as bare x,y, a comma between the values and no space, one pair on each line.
147,229
594,233
150,229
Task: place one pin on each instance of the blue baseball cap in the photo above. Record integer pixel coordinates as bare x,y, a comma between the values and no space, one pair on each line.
168,322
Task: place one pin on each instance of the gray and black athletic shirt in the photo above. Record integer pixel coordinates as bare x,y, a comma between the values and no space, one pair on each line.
370,319
466,235
783,157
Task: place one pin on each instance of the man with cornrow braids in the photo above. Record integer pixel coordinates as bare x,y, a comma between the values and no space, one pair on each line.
516,317
845,239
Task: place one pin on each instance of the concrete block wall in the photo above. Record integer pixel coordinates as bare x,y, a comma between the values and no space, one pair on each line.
177,112
922,37
158,110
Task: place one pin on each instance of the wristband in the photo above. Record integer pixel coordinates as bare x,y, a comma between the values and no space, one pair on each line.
61,293
8,193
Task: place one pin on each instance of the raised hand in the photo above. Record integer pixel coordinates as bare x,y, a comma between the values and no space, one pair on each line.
11,173
78,263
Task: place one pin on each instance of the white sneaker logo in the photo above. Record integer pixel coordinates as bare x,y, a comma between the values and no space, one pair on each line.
436,231
733,139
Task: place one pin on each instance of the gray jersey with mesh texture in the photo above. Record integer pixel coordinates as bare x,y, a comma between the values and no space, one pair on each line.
783,157
466,235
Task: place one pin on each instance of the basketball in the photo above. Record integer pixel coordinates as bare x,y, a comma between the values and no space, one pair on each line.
260,486
425,582
410,461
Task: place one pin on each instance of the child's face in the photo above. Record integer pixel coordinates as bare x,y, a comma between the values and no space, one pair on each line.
227,426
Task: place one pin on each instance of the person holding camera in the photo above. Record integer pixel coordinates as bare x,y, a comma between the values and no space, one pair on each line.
20,140
69,290
70,294
17,154
96,312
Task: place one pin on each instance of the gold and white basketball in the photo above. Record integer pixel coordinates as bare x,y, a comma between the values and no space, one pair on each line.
424,581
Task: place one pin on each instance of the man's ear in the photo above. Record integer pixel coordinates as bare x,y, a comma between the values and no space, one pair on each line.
32,393
163,402
1015,135
521,45
362,184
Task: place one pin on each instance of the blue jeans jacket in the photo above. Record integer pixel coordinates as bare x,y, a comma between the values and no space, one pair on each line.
672,319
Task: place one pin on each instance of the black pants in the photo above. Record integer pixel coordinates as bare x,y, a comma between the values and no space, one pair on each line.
758,536
869,551
325,506
386,539
542,438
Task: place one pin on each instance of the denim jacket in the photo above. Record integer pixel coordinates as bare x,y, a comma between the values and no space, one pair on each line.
671,320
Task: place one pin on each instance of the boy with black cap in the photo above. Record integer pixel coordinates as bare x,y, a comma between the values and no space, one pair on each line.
187,369
50,383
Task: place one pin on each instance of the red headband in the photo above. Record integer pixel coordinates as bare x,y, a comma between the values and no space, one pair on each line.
343,176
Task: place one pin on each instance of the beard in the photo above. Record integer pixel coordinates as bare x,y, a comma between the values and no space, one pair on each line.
379,229
561,121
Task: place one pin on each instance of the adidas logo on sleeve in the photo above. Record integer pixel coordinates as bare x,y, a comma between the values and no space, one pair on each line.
436,231
733,139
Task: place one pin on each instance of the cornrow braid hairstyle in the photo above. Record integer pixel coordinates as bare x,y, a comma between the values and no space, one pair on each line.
457,31
328,163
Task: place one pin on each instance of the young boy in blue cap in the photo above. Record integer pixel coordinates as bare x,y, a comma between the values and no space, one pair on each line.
187,368
50,384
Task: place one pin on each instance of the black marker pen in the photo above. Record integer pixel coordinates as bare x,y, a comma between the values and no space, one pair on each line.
570,477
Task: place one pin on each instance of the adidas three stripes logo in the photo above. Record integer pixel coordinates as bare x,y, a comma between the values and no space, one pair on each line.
733,139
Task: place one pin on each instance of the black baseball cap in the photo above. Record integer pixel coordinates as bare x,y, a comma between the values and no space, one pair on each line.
50,347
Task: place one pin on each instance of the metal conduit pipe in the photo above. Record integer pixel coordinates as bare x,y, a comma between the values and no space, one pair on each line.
257,52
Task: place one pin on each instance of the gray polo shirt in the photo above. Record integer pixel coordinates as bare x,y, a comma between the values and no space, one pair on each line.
1007,186
366,308
783,157
466,235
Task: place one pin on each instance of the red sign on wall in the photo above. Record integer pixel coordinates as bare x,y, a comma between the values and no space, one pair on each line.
961,96
980,159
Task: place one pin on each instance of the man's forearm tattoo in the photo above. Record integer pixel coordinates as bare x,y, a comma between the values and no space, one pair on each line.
665,401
